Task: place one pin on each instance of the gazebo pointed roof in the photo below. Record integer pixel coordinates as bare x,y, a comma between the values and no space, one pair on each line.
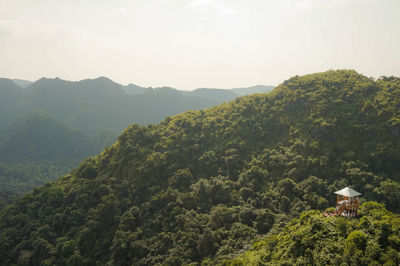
348,192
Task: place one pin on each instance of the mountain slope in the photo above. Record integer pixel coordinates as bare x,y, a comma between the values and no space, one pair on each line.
10,95
65,99
316,240
37,149
199,187
39,137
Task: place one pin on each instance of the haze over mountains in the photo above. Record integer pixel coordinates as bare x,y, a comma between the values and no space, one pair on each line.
38,137
48,126
201,187
99,171
95,104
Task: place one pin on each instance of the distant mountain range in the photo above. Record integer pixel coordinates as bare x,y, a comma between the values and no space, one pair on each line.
38,137
95,104
206,92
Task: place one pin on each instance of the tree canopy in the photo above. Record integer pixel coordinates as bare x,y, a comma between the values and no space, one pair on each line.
203,186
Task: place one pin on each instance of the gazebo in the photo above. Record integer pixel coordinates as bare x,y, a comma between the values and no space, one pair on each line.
347,202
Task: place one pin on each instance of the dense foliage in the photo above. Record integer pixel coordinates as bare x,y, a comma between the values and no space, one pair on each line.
202,186
17,179
312,239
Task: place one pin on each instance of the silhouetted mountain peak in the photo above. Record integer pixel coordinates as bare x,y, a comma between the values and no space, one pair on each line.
53,82
100,83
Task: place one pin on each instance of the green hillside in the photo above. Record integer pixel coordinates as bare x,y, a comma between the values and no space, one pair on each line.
202,186
312,239
17,179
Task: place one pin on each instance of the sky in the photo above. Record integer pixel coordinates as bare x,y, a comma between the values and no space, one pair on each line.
189,44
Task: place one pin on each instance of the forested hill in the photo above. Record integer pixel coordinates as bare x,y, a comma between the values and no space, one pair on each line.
312,239
202,186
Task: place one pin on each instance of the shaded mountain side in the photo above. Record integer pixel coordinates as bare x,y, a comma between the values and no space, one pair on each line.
143,109
37,149
37,137
202,186
63,99
10,95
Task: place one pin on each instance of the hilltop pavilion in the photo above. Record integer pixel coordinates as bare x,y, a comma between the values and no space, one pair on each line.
347,202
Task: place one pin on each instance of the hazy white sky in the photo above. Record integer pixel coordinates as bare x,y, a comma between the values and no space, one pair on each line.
197,43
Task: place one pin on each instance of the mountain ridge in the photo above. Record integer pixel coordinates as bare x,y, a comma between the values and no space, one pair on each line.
201,186
95,104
